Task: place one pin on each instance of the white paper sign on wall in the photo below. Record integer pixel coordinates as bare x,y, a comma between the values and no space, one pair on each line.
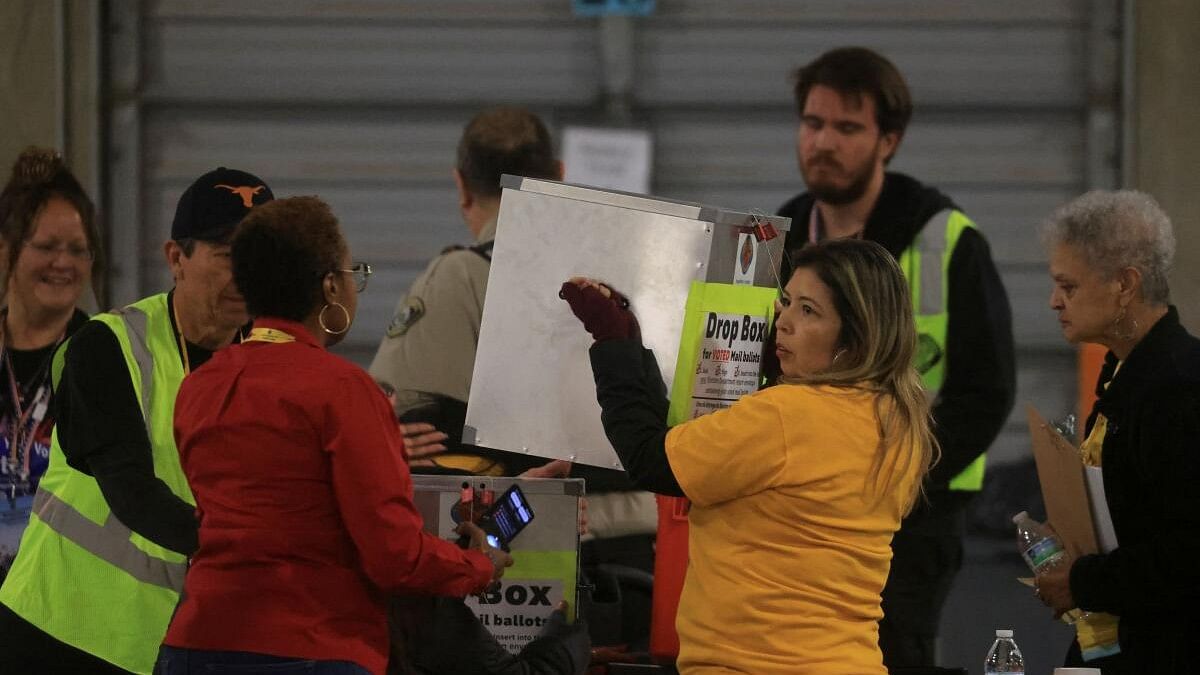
615,159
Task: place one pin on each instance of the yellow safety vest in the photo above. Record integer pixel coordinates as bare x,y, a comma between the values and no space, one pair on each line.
82,576
926,265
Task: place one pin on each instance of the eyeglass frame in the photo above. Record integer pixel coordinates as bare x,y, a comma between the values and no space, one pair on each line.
356,269
86,254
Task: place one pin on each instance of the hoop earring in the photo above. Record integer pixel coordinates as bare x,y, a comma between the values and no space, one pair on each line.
345,313
836,357
1116,327
1133,331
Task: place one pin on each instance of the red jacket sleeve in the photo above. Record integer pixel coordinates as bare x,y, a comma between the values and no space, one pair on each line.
373,488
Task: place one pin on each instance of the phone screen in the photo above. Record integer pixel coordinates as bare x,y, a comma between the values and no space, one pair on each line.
507,517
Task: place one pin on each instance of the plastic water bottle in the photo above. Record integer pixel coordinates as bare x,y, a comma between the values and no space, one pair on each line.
1039,546
1042,551
1004,656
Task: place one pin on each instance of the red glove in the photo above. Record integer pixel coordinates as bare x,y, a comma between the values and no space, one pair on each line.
606,318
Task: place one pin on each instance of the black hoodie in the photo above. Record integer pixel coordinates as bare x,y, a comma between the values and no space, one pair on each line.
977,395
971,408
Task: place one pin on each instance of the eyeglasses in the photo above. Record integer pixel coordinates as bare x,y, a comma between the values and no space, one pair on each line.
361,272
80,253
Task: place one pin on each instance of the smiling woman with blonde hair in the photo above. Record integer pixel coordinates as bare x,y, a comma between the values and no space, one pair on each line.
797,489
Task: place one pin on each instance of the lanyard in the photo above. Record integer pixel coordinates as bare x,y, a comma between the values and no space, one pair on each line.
25,420
272,335
31,417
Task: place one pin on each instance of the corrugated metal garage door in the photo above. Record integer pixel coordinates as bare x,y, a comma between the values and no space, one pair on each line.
362,103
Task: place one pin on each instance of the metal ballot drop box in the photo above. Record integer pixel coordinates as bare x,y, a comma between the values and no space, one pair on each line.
532,390
545,554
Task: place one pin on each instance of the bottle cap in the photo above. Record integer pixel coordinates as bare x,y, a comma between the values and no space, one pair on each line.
1001,633
1020,516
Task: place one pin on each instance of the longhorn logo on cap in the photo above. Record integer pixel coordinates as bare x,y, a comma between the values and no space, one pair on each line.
245,192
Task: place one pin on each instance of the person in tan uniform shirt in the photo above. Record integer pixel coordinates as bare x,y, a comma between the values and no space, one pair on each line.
428,353
427,356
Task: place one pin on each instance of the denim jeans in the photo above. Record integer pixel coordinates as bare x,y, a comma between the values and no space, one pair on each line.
178,661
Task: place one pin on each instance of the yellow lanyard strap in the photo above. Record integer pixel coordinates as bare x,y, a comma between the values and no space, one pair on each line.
271,335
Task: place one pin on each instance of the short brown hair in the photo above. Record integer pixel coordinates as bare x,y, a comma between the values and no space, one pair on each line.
39,175
854,71
502,140
282,251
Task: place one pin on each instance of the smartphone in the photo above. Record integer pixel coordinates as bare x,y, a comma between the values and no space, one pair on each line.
506,517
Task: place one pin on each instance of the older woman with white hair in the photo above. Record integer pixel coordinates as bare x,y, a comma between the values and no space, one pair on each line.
1110,254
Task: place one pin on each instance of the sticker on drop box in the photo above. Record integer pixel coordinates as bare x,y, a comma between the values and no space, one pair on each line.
515,612
747,255
718,364
730,361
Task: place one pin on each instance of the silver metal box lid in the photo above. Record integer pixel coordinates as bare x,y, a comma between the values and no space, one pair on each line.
532,390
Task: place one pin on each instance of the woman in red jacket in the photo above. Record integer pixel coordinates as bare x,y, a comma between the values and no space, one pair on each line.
299,474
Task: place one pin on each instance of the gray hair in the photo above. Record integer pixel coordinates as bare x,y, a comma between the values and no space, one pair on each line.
1119,229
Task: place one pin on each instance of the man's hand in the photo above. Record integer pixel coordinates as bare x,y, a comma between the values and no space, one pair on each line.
572,637
558,468
422,440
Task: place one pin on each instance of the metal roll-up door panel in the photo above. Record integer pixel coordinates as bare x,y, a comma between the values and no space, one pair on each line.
362,103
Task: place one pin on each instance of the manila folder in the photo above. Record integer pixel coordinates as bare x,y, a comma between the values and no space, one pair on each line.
1064,488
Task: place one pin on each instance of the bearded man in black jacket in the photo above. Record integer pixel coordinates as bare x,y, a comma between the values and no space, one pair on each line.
854,107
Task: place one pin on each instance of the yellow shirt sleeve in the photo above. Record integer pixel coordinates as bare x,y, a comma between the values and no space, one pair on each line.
729,453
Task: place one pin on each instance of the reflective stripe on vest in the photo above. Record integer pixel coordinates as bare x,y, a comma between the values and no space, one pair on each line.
109,542
932,246
136,323
926,264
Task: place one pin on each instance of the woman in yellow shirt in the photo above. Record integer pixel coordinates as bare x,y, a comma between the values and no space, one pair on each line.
797,489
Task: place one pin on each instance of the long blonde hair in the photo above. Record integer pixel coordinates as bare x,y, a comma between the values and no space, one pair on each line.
878,341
